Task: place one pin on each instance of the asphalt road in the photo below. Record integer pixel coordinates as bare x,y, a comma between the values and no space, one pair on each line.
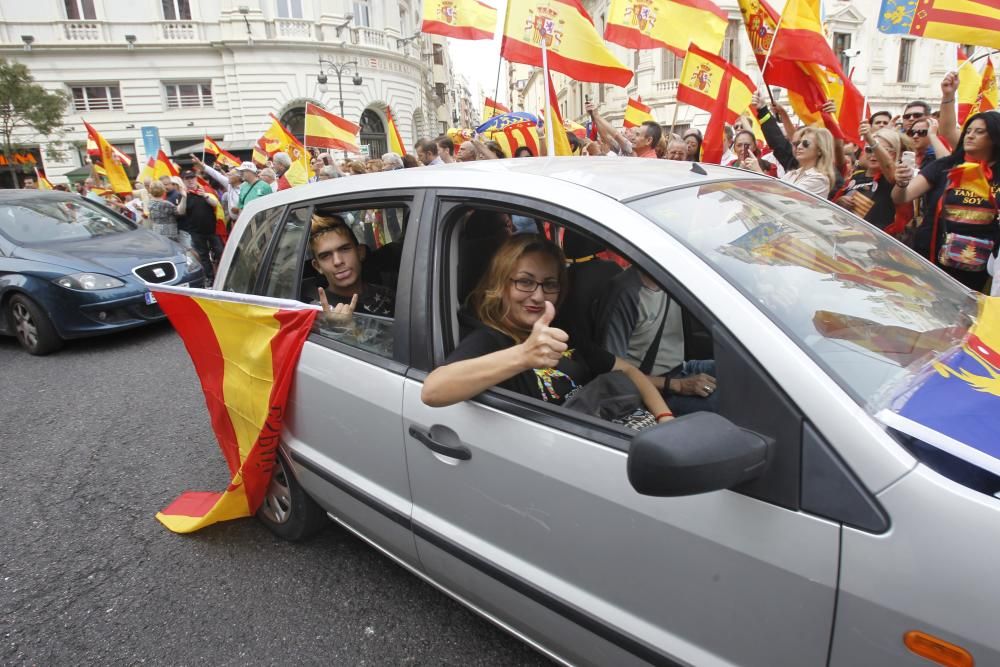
99,436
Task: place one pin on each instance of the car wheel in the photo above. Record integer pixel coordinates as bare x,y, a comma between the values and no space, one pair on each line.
287,511
32,326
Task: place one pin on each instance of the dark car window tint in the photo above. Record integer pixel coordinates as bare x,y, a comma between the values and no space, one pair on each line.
250,251
41,222
282,279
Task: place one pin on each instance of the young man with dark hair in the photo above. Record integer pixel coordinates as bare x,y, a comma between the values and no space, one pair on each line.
427,152
915,111
446,148
880,119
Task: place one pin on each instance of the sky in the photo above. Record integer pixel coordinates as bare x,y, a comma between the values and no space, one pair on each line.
478,60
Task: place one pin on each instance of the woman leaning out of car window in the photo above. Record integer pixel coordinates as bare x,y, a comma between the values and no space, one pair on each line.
515,345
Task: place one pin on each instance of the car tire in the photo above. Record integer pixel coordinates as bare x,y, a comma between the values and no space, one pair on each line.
287,510
31,326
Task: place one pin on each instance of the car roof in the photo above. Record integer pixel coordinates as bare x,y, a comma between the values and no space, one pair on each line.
21,195
619,178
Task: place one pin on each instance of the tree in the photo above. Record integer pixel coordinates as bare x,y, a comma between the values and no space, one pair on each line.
28,112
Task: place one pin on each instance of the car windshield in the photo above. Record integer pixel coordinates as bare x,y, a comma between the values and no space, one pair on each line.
40,222
862,305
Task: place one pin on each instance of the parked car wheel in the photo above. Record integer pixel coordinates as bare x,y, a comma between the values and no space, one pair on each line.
287,511
32,326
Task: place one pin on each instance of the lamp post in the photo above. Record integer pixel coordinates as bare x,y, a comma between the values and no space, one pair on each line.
326,66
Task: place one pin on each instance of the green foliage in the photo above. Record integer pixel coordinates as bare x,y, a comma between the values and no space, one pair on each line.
27,110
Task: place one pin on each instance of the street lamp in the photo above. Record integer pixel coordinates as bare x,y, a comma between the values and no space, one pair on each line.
338,69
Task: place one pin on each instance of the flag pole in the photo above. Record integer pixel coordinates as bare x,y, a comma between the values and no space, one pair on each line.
767,58
550,146
673,122
204,134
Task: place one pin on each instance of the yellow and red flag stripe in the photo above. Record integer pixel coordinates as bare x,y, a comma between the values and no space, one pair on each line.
986,96
554,126
969,82
114,171
43,183
493,108
666,24
325,130
459,19
222,157
395,140
637,113
701,82
574,46
245,350
164,166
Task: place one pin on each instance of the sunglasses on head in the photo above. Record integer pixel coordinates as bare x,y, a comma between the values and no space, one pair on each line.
802,142
916,133
914,115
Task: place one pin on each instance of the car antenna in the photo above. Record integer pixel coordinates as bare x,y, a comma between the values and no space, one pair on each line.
698,169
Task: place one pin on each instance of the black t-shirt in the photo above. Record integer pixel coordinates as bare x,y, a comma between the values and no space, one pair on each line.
578,366
936,174
879,190
373,300
199,216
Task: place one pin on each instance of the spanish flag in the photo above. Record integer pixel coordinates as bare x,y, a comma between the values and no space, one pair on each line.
637,113
163,166
512,131
221,156
324,130
960,21
666,24
94,151
43,183
969,83
245,350
460,19
493,108
574,46
986,96
395,141
113,169
554,126
701,84
277,139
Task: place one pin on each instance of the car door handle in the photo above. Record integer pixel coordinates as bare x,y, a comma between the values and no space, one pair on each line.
461,452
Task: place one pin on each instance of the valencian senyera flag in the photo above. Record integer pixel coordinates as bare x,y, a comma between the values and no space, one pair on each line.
573,44
245,350
953,402
666,24
459,19
960,21
512,131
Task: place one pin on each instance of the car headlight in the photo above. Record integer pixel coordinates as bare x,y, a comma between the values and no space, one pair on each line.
88,281
193,263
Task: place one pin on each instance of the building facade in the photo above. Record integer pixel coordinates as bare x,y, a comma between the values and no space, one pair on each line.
220,67
890,70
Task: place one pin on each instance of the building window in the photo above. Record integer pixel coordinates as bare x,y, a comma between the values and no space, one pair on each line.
905,58
438,54
289,9
362,19
404,21
441,91
671,66
97,97
968,49
176,10
841,43
188,94
80,10
731,45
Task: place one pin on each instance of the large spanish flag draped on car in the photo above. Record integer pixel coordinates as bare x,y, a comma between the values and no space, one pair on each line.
960,21
459,19
244,350
953,402
574,46
666,24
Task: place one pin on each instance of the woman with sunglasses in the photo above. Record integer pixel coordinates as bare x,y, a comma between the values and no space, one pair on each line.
959,230
868,192
813,151
515,345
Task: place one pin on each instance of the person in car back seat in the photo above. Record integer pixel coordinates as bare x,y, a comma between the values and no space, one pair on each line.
338,256
638,321
515,347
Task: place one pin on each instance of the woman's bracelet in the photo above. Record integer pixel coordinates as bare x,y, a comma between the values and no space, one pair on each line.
662,415
902,184
948,101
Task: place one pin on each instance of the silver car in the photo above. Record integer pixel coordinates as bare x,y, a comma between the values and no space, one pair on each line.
809,521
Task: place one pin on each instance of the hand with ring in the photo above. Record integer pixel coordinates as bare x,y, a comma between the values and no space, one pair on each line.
701,384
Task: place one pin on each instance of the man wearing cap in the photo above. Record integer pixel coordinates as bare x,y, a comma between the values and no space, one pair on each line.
252,186
196,216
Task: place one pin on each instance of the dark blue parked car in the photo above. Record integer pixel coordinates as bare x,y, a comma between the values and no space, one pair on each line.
70,267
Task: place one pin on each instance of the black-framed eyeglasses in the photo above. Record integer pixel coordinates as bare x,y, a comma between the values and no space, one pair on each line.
804,143
916,133
528,285
913,116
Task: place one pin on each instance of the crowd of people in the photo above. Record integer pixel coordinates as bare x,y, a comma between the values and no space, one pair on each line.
918,176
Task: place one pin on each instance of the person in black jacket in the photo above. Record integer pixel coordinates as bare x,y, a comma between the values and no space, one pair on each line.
196,216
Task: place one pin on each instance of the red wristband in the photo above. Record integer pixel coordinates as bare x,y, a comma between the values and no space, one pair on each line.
663,414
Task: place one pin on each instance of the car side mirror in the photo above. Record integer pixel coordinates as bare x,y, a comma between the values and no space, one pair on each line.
697,453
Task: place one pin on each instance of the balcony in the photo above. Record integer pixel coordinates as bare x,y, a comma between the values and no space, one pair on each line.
179,31
293,29
371,38
82,31
668,87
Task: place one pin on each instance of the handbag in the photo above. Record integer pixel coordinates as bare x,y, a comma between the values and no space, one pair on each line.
614,398
968,253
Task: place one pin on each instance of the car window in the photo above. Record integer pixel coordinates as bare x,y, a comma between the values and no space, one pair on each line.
42,222
282,277
356,250
249,254
861,304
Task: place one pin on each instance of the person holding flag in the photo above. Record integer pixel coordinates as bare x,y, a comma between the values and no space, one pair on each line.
638,141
